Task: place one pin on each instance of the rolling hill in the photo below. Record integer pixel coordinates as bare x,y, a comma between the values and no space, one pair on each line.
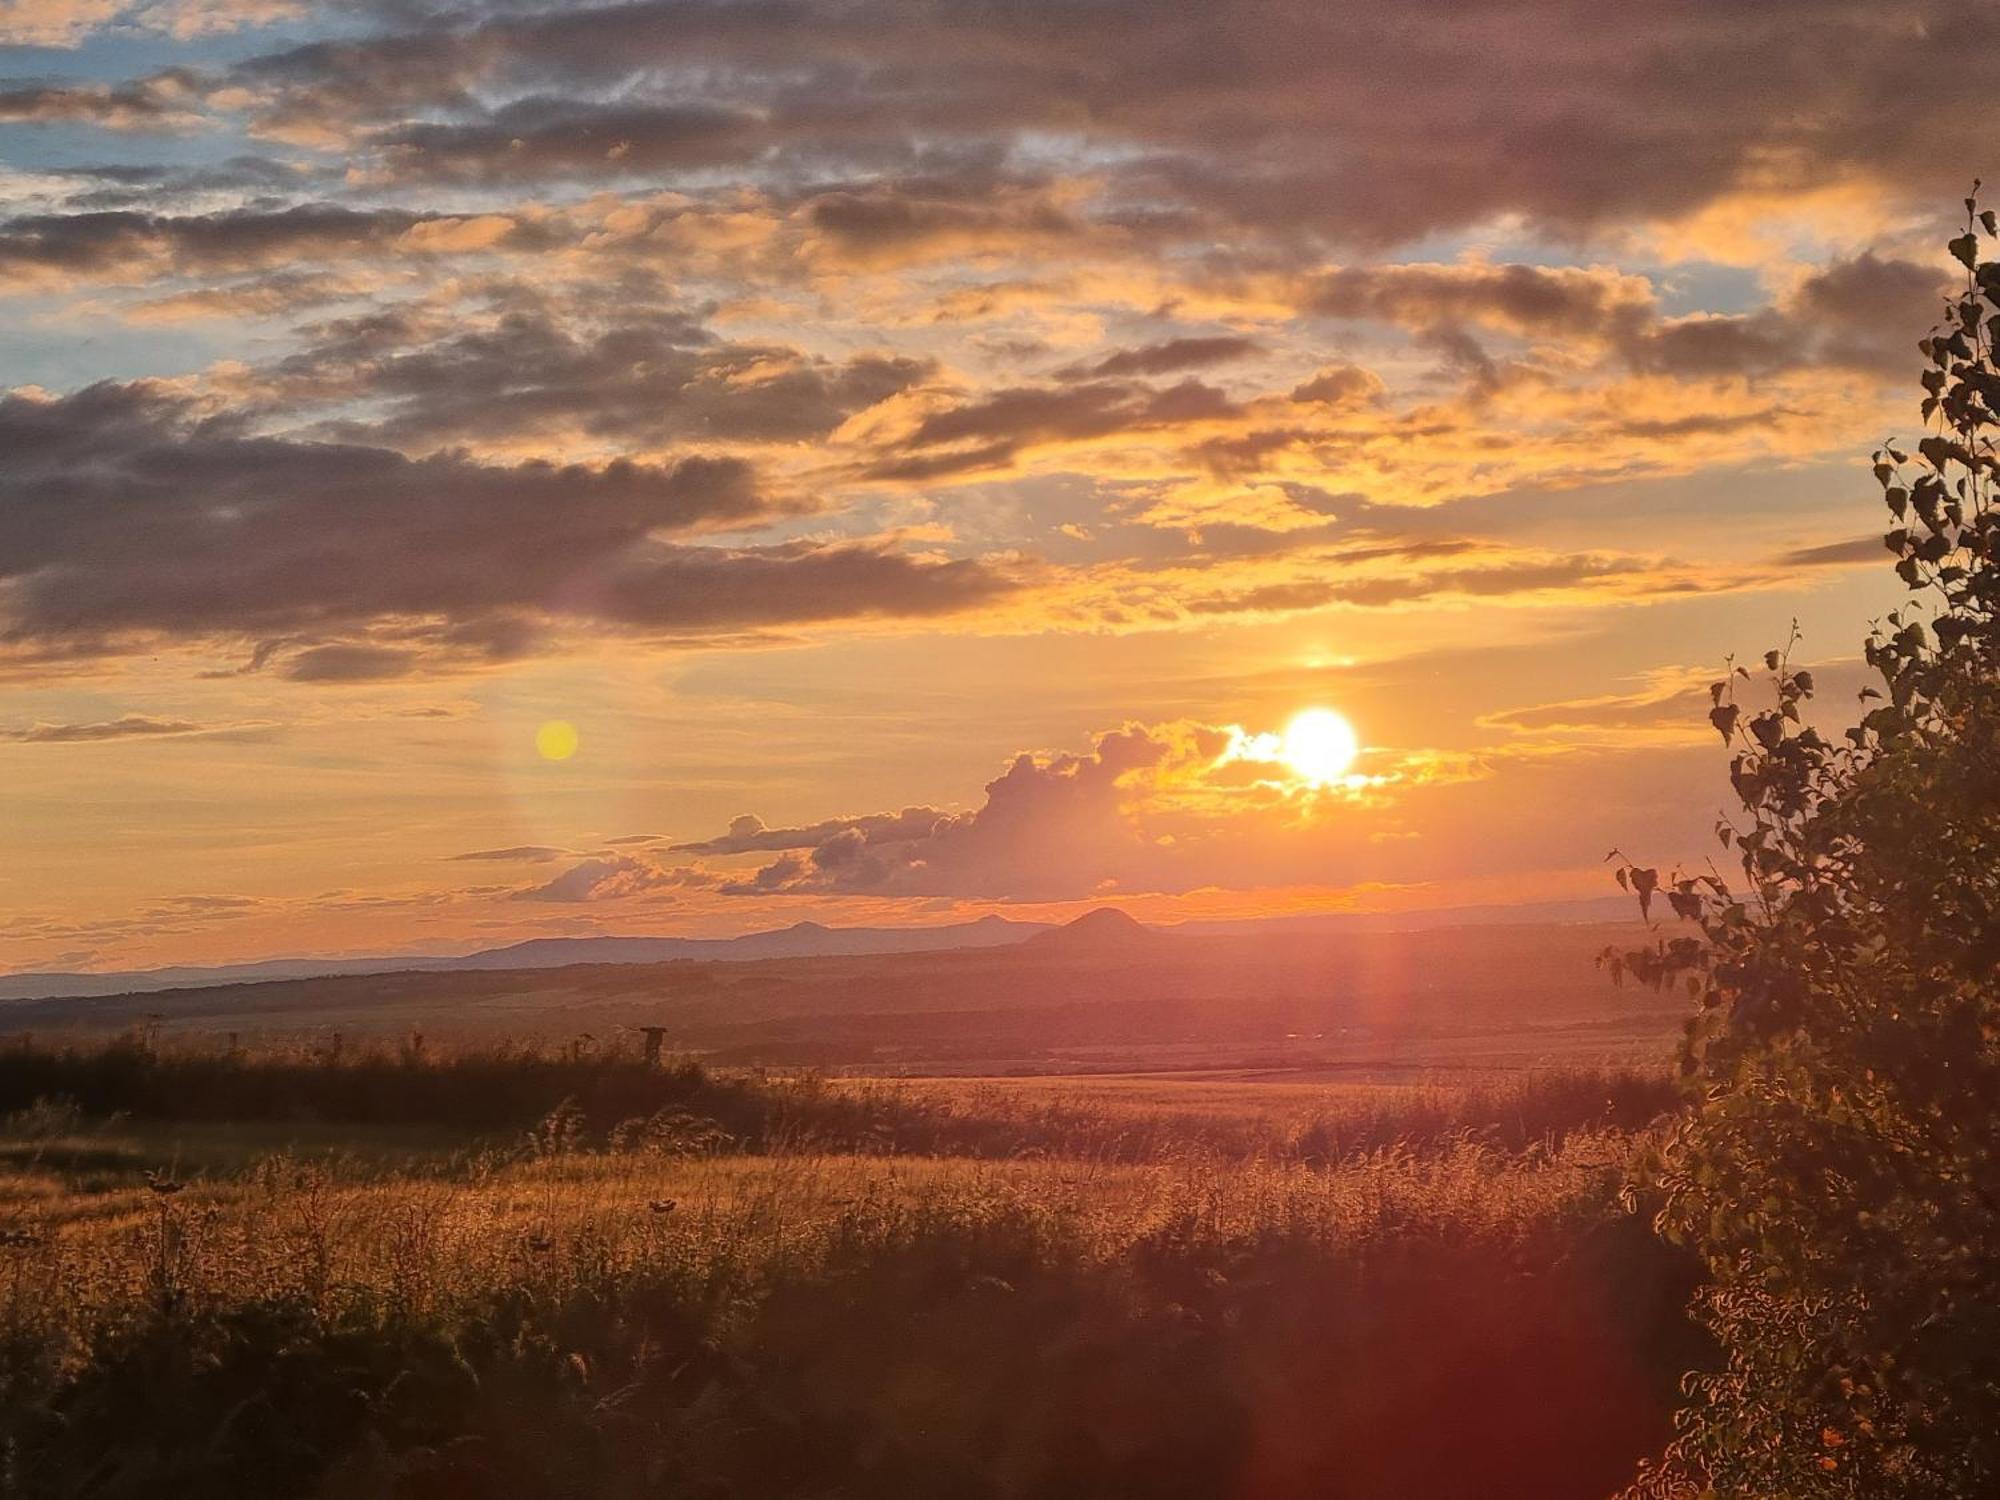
800,940
1101,991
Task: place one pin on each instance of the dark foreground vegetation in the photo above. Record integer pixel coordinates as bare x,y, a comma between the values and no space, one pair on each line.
615,1279
1840,1172
614,1096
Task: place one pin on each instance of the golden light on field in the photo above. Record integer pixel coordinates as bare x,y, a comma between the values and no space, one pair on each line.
556,740
1319,745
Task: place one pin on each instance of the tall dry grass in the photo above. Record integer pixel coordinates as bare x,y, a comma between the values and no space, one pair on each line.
814,1325
1096,1295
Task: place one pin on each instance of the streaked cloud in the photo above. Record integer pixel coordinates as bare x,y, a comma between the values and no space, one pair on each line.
129,727
285,541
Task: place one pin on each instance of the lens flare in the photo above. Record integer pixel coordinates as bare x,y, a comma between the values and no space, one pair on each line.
1319,746
556,740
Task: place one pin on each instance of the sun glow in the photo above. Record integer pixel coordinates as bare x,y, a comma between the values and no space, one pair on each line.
1319,746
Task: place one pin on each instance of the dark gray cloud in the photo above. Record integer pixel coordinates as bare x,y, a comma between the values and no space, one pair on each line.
1360,122
1858,313
157,103
747,834
642,373
1852,553
991,428
887,222
126,509
129,243
1866,307
266,183
531,140
531,854
351,661
1537,301
1168,357
1339,385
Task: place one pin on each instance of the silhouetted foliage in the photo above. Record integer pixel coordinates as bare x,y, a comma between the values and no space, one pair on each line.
485,1088
1841,1174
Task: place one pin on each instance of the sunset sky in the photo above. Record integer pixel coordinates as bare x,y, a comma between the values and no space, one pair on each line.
479,471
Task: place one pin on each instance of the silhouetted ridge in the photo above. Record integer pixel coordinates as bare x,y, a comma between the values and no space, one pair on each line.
1106,927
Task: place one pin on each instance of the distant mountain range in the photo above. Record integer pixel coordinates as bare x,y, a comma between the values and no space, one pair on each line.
800,940
1105,928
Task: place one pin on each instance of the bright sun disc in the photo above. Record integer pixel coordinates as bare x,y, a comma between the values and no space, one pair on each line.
1320,745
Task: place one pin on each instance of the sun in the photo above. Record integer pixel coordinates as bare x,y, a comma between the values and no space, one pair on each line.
1319,745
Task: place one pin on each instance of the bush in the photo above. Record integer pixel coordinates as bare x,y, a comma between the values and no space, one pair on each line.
1841,1172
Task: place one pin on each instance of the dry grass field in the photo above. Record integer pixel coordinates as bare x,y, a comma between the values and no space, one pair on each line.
289,1274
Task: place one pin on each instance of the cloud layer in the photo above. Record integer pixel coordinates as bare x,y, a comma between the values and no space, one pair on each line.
815,400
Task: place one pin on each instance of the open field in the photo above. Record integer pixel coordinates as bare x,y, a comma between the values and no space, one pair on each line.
493,1095
1364,1003
1175,1217
800,1325
359,1276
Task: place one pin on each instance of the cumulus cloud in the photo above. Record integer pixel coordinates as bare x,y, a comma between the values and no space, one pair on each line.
1048,825
613,878
1177,807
